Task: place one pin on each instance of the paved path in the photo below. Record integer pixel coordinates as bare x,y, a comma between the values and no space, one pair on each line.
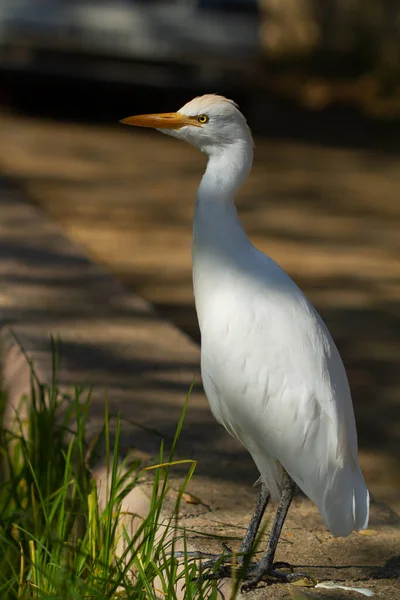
113,339
329,216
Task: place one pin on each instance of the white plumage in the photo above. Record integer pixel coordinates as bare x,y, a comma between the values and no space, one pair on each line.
271,371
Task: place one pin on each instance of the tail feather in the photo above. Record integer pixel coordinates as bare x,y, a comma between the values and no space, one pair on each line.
345,504
360,502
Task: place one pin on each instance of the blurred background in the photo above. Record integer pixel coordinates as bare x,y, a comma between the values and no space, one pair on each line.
320,85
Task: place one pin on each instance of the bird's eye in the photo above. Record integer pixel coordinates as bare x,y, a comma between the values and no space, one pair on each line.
202,119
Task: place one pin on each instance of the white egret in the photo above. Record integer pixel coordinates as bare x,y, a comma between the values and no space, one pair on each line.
271,371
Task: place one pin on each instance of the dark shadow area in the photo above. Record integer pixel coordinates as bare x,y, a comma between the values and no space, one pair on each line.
269,114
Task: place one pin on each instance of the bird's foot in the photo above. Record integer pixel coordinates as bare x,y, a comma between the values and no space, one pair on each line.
215,566
211,560
260,571
221,565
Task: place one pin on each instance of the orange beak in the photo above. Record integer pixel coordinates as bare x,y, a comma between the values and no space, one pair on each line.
160,121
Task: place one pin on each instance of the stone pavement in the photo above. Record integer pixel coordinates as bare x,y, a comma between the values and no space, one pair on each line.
113,339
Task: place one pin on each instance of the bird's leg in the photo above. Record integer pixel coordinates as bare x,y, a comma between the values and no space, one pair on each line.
266,565
254,525
248,540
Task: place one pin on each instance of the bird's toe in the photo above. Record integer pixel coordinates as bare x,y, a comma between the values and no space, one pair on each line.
260,573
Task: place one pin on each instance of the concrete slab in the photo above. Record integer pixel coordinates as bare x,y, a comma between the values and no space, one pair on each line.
113,339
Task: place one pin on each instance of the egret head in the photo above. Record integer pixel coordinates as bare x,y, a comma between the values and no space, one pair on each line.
211,123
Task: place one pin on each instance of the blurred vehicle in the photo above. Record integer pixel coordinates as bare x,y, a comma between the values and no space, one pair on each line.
151,42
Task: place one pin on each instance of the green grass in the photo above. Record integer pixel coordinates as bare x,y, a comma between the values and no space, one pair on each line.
57,541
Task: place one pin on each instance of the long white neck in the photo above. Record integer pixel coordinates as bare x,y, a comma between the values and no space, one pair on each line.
215,209
226,171
220,243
